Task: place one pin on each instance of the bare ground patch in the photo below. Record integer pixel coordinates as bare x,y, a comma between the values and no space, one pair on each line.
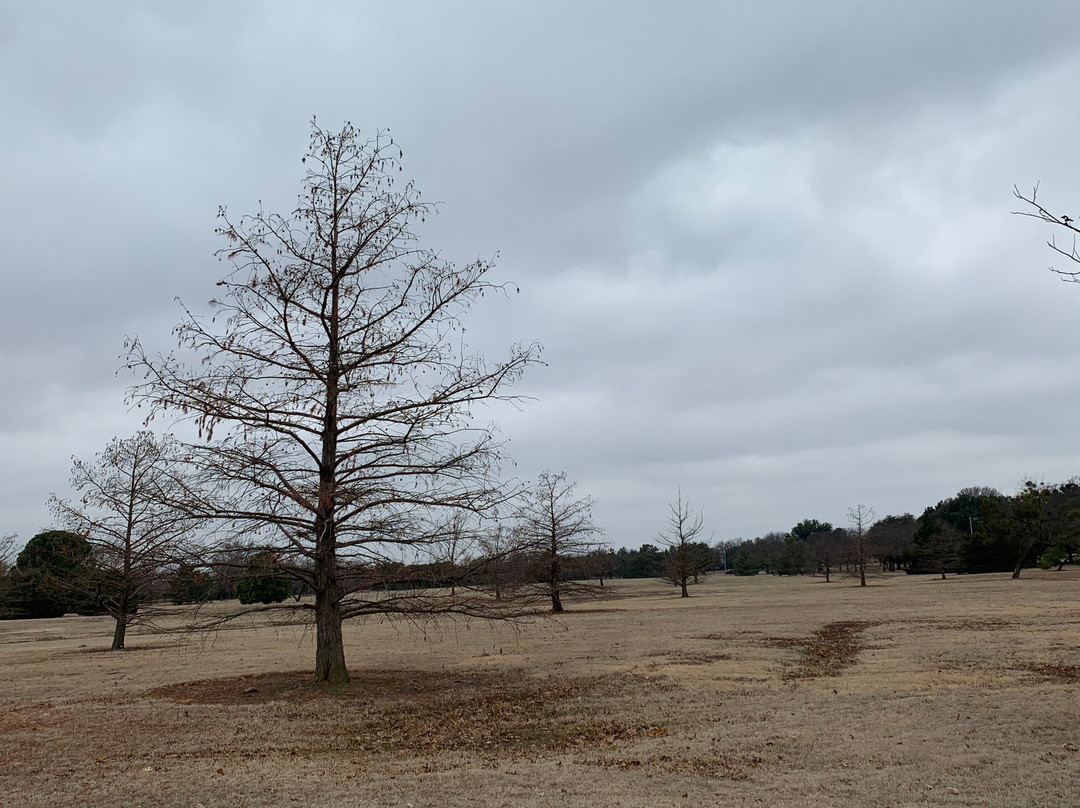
421,712
1056,673
831,649
689,657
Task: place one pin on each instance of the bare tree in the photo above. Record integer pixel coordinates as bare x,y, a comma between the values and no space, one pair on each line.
558,528
7,561
891,539
826,549
687,557
333,391
7,552
126,509
860,518
504,560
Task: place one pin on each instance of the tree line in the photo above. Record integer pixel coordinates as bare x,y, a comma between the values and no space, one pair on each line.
977,530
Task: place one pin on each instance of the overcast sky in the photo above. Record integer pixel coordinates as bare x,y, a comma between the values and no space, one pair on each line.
767,247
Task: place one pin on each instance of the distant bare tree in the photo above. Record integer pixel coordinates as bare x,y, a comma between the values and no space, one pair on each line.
7,560
333,391
453,551
827,549
891,539
504,559
557,527
687,556
126,508
860,518
7,552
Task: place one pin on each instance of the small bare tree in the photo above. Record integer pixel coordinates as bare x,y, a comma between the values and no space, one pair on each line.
826,549
860,518
558,529
687,556
7,552
504,558
127,510
7,560
333,391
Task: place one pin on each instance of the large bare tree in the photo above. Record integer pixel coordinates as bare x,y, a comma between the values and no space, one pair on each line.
557,526
332,389
126,507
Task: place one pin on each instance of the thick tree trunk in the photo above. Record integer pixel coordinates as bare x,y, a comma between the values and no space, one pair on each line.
329,646
119,632
556,602
685,593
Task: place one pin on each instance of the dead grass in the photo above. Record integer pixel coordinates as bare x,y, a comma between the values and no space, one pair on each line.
786,692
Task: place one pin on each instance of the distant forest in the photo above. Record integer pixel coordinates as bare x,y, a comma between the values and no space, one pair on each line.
978,530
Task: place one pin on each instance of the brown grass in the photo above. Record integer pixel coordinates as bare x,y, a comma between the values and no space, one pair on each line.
760,691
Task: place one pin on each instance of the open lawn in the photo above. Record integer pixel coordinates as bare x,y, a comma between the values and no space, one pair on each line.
754,691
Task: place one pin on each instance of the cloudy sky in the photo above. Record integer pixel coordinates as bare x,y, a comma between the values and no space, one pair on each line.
767,247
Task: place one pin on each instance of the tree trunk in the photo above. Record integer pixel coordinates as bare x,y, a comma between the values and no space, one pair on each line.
862,574
329,646
1020,560
553,582
685,594
119,632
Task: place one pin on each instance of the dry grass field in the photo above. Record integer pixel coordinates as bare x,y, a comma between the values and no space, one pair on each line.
756,691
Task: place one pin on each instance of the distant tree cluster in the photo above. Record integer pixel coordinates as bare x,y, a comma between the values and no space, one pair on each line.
978,530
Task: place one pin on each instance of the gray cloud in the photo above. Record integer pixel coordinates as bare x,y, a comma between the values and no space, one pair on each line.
768,250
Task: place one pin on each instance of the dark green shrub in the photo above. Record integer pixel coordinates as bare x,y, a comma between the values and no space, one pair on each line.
263,582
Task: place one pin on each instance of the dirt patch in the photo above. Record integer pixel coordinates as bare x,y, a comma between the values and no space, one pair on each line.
831,649
690,657
30,716
419,712
713,764
1058,674
972,624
